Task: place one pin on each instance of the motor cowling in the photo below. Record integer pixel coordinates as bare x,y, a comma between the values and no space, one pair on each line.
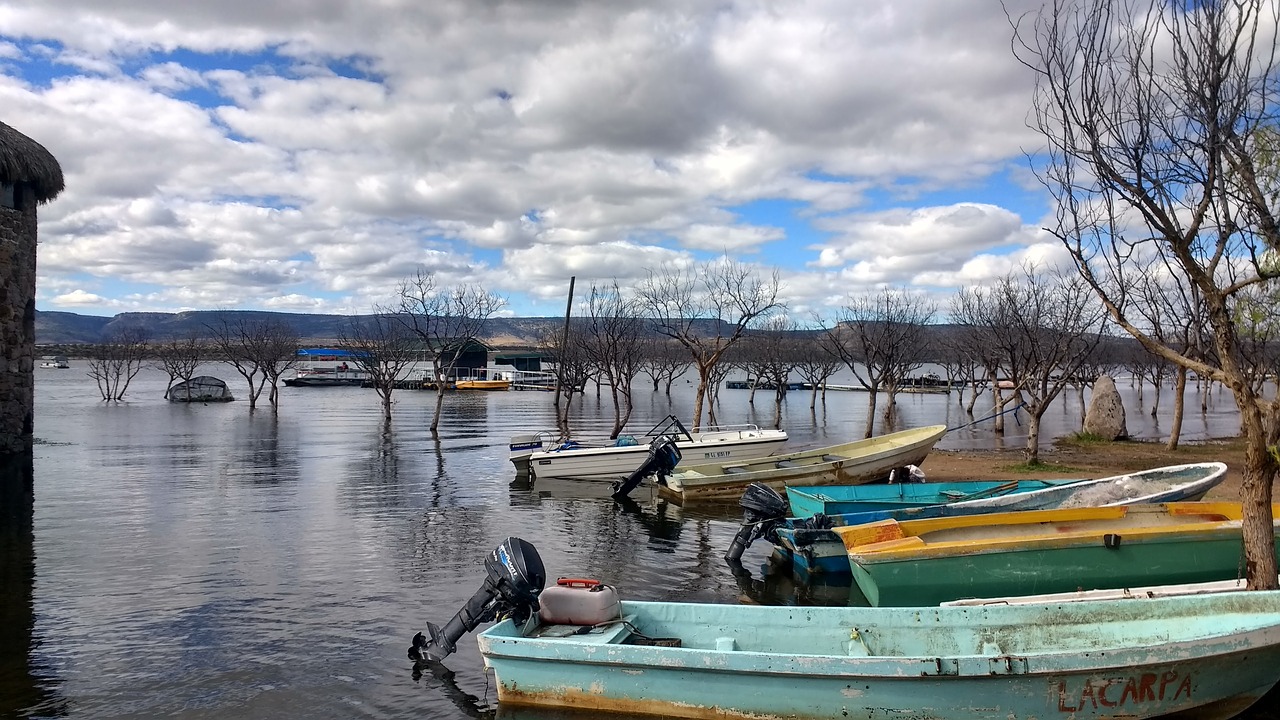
663,457
514,577
762,509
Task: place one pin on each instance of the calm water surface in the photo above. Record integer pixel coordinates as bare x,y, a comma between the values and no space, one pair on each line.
200,561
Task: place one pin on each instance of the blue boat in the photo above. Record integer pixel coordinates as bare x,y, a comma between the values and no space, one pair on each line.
814,549
1209,656
843,499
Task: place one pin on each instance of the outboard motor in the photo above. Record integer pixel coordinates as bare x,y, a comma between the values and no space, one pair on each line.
662,460
762,509
514,579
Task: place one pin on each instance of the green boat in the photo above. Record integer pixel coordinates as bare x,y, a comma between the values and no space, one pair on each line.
927,562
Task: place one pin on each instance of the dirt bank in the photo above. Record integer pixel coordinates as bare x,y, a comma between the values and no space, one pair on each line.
1070,459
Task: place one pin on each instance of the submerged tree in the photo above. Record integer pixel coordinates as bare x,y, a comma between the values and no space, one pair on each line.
114,362
1159,119
446,320
383,348
179,358
611,338
707,308
259,348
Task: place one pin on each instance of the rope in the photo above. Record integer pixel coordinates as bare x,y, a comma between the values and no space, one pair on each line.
1013,409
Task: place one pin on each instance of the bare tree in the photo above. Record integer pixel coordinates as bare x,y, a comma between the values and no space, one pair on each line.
259,348
706,308
611,337
446,320
114,362
771,354
962,359
383,348
816,364
662,360
883,334
1159,117
179,358
1042,328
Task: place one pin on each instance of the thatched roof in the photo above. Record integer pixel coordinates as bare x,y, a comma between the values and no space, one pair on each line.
23,160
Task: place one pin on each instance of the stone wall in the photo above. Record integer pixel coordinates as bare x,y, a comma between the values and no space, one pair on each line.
17,323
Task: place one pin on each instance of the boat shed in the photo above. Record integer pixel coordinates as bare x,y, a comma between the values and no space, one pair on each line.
524,361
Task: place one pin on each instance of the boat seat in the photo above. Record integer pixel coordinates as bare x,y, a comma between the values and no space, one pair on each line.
786,464
611,634
731,469
833,458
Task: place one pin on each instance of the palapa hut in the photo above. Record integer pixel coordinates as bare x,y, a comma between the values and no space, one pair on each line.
29,176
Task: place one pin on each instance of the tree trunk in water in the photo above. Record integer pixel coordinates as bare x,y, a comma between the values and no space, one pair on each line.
1179,404
435,418
871,410
698,398
386,405
1255,496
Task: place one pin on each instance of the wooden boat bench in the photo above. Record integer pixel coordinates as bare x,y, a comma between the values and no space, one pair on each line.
833,458
786,464
730,469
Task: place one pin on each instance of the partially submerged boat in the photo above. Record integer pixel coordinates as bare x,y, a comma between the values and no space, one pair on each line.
578,645
814,549
860,461
842,499
541,456
926,562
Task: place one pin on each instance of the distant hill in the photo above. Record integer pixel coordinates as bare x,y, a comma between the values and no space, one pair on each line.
64,328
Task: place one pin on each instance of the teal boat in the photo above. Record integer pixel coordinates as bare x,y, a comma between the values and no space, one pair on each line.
814,549
1210,656
1032,552
844,499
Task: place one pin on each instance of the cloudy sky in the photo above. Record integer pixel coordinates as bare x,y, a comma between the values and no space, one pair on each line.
307,155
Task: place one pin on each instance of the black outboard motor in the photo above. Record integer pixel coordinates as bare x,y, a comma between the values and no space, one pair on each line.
762,509
514,580
662,460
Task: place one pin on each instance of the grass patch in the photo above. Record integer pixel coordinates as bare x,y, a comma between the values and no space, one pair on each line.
1042,468
1085,438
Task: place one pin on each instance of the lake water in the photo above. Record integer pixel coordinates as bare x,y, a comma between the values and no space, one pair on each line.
202,561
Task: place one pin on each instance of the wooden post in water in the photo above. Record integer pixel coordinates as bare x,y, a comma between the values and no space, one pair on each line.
562,418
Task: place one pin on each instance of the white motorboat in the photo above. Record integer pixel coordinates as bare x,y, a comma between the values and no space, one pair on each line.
543,455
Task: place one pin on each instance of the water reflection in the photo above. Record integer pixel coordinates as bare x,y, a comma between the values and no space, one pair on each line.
24,688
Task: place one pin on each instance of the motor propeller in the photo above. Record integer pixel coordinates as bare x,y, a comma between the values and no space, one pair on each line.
763,508
514,578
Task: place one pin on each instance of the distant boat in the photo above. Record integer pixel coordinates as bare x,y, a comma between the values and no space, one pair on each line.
842,499
926,562
543,456
202,389
815,548
55,361
860,461
327,377
1207,656
496,381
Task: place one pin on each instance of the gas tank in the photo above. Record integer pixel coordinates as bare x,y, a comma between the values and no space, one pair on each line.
579,601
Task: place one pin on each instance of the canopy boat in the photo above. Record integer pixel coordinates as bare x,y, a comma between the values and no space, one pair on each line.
926,562
327,367
861,461
843,499
1211,655
814,548
541,456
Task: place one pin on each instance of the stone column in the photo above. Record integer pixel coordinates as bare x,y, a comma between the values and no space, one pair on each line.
17,320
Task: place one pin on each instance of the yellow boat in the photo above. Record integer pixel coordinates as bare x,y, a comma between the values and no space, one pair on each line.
926,562
483,384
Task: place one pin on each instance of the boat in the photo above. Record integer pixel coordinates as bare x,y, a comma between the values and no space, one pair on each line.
1137,593
860,461
340,376
496,381
815,549
58,362
541,456
201,389
1208,656
843,499
926,562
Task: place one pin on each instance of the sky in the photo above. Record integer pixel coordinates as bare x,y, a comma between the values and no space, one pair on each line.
310,155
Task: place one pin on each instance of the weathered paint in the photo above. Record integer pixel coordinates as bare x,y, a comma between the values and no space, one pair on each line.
1046,551
1214,654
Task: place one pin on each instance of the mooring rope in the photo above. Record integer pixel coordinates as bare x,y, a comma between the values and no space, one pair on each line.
1013,410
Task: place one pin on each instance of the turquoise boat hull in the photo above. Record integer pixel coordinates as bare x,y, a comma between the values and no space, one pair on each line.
1165,560
1211,656
842,499
817,552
